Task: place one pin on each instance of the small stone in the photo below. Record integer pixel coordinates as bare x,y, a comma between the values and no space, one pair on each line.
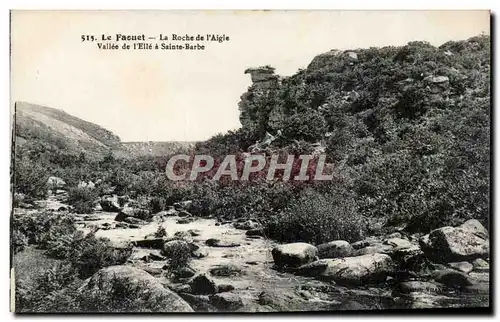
214,242
465,267
225,270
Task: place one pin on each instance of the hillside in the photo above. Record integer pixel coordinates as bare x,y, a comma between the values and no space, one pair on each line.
407,128
153,148
56,130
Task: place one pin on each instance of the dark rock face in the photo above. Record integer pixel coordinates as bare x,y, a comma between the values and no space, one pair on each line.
155,243
201,284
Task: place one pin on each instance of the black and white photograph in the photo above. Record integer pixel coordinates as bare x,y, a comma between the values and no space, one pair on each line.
250,161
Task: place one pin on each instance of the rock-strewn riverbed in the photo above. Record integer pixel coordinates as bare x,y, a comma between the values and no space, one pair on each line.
232,271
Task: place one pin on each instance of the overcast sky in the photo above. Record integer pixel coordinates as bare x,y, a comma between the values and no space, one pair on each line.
192,95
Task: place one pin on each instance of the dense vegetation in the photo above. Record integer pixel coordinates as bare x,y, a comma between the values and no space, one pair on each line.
407,130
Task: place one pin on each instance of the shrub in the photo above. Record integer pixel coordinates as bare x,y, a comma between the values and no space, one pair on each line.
49,292
161,232
19,241
317,218
143,214
40,228
82,199
30,178
122,296
179,258
157,204
91,254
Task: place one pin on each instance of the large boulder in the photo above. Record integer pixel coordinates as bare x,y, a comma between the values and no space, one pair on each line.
294,254
350,270
454,244
110,203
335,249
154,295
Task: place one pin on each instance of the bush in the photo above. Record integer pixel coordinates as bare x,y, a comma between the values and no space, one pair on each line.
317,218
91,254
157,204
143,214
161,232
179,258
19,241
82,199
40,228
51,291
30,178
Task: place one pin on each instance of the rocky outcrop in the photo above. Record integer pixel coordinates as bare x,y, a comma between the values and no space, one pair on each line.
149,289
294,255
263,77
